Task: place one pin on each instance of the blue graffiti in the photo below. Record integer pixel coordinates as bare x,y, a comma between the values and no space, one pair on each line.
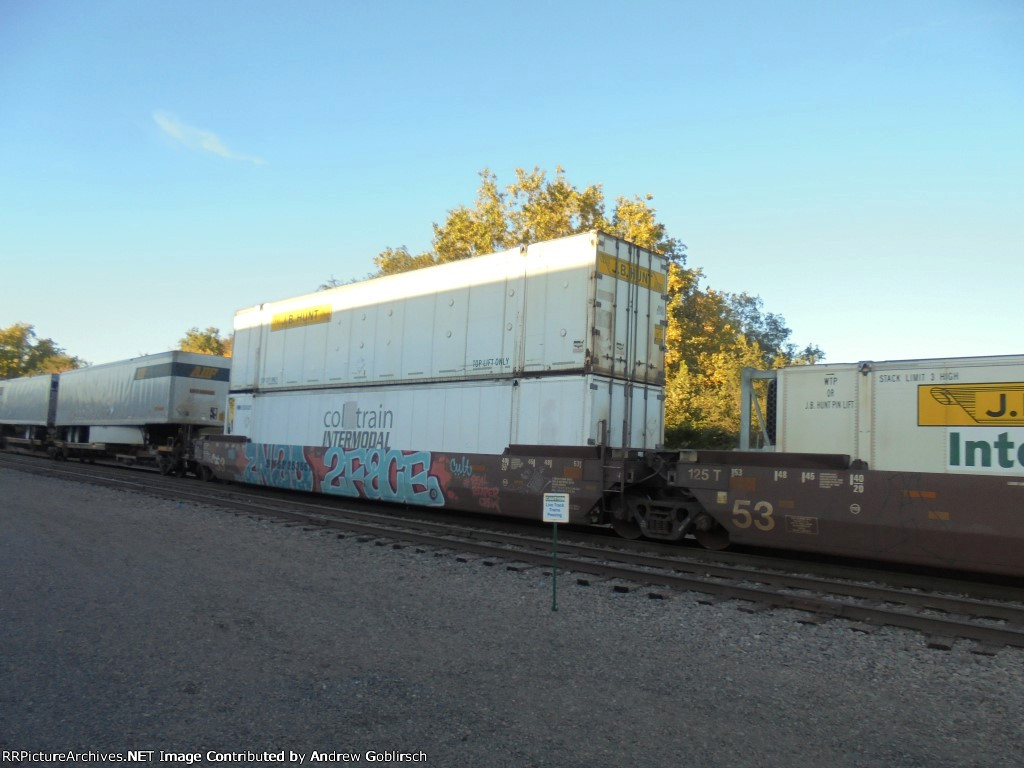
461,468
279,466
387,475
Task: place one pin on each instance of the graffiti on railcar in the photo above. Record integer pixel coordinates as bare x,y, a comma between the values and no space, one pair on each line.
385,475
486,494
279,466
369,473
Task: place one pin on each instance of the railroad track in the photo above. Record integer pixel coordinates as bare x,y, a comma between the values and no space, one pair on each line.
941,608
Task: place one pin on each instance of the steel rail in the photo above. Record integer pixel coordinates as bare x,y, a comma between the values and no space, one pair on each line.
717,580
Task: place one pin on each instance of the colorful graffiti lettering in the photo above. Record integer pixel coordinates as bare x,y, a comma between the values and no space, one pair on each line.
461,467
387,475
279,466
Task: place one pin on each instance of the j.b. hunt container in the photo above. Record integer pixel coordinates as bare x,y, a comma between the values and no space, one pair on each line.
963,415
588,304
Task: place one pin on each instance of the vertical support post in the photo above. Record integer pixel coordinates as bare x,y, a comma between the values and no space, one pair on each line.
556,510
554,567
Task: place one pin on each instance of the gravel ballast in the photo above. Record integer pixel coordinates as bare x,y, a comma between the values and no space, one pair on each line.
133,623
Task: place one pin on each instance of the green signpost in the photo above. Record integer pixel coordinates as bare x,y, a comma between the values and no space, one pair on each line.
556,510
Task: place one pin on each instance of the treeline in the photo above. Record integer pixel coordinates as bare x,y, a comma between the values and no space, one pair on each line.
23,353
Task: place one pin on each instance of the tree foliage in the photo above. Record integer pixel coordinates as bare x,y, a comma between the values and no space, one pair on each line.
208,342
22,353
532,209
711,335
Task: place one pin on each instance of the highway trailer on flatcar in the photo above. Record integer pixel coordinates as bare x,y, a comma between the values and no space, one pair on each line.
144,410
27,411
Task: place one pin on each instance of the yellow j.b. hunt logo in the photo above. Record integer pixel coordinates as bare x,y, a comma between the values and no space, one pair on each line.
970,405
633,273
295,318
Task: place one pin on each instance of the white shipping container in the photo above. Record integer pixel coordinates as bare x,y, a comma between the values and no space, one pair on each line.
940,415
589,303
470,416
167,388
28,401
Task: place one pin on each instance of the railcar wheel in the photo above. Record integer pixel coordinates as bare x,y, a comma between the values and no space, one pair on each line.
621,517
166,466
710,534
627,529
205,473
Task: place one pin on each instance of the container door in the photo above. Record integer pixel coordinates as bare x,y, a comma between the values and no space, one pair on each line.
630,312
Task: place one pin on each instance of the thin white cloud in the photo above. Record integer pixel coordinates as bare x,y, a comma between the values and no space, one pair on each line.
197,138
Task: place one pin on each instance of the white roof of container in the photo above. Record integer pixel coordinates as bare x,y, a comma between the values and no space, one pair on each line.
478,270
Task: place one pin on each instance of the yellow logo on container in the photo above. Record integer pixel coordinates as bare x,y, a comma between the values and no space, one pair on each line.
295,318
970,405
633,273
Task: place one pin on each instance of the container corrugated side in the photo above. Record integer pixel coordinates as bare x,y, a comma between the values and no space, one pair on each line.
587,303
29,400
167,388
470,416
818,409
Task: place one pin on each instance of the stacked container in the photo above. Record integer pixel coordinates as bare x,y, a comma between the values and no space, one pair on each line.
559,343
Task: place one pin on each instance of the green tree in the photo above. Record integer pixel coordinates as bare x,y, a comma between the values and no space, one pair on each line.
23,354
711,337
208,342
532,209
391,261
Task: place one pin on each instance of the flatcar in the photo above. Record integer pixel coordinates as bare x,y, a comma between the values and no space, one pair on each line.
480,385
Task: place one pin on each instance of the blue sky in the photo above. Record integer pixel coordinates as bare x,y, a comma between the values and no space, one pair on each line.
860,166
